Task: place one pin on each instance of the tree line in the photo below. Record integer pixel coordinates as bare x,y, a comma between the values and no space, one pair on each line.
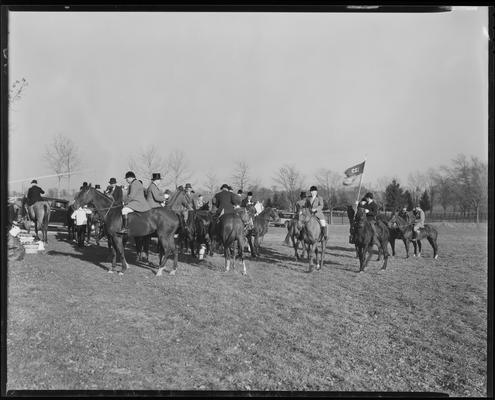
461,186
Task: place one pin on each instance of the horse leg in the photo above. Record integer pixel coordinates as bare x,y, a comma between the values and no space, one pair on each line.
368,256
322,256
419,248
392,245
251,247
295,244
166,247
112,247
384,245
119,245
434,245
310,250
240,247
226,250
406,243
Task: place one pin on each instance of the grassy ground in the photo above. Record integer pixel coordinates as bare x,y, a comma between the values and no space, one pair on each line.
420,326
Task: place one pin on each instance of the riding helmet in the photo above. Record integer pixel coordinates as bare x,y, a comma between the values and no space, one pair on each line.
129,174
97,187
369,195
224,186
112,180
34,181
313,188
239,191
188,186
156,176
250,193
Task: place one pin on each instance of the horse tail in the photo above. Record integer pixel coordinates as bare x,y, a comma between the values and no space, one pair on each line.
289,231
46,216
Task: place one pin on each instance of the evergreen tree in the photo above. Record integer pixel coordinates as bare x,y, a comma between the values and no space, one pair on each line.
393,196
424,202
408,201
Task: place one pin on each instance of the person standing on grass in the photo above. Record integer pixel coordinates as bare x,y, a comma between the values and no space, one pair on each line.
81,220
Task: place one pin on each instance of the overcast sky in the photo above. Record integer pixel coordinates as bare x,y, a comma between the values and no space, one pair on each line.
318,90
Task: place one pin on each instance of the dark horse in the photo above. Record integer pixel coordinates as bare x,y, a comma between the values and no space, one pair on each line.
406,230
160,220
311,236
197,232
39,213
364,238
260,228
228,230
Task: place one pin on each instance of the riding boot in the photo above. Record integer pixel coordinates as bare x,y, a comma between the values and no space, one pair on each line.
351,235
324,232
124,229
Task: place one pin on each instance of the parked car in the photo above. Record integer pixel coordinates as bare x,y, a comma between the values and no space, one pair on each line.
58,209
285,217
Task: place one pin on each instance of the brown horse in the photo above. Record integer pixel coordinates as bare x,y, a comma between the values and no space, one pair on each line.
39,213
160,220
406,231
311,236
228,230
365,238
260,228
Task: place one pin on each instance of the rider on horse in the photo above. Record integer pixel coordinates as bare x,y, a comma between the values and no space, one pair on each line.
419,221
371,209
301,203
315,204
403,213
33,195
135,199
154,196
224,201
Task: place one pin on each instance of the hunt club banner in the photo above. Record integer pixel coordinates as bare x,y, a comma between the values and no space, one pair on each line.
352,173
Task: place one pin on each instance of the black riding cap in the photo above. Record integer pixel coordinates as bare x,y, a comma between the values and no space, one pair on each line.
129,174
224,186
303,194
34,181
239,191
112,180
188,185
156,176
369,195
312,188
97,187
250,193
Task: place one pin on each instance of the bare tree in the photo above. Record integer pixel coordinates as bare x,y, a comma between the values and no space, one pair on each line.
178,167
63,158
211,183
328,181
15,92
240,176
292,181
149,161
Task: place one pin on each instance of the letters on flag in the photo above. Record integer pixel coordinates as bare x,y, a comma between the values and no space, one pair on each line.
352,173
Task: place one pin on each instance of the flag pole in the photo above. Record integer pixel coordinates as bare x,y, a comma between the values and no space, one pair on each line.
360,182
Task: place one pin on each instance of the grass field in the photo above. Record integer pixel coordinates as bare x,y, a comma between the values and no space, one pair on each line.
419,326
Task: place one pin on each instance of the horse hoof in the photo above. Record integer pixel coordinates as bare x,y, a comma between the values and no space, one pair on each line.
121,273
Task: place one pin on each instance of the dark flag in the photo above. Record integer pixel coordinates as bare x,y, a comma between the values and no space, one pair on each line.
352,173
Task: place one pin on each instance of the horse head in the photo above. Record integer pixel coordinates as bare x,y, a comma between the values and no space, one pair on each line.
304,216
392,223
273,214
85,195
350,213
360,217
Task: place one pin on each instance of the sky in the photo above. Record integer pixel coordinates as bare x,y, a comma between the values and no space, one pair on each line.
316,90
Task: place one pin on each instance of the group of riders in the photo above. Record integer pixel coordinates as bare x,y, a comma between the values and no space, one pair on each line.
370,208
224,202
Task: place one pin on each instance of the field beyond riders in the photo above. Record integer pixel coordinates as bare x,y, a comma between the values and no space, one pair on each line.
420,326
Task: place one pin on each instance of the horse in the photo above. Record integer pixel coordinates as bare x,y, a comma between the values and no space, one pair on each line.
39,213
310,234
260,228
294,234
197,232
364,238
160,220
13,213
229,229
406,230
